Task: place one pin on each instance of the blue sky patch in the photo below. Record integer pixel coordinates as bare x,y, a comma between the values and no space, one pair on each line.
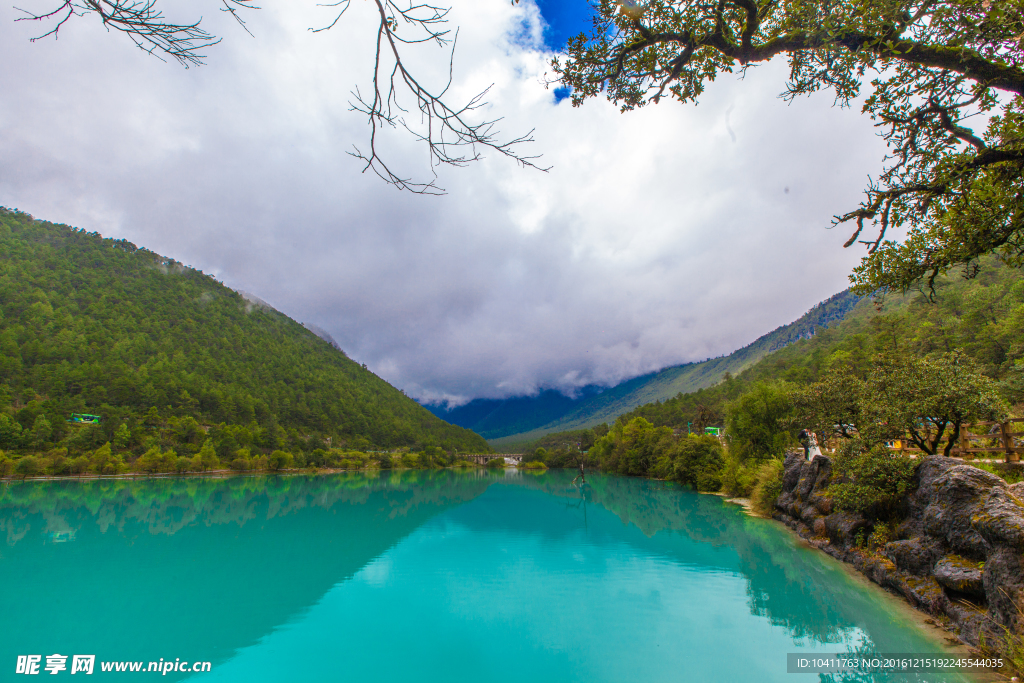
565,18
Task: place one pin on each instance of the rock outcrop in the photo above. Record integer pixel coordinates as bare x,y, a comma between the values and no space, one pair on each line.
959,551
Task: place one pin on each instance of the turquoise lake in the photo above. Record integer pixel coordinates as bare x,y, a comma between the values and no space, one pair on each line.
422,577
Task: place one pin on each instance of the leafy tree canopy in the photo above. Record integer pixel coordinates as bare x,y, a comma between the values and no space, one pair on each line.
944,79
872,481
761,422
832,405
929,399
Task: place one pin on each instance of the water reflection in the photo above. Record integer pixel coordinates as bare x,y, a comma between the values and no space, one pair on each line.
214,569
785,582
791,585
194,567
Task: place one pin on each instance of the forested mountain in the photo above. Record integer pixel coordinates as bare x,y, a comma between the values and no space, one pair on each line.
597,406
100,326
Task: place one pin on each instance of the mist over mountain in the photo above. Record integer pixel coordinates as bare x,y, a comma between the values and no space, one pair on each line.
494,418
529,417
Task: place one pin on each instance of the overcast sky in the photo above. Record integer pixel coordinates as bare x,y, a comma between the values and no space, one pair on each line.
661,236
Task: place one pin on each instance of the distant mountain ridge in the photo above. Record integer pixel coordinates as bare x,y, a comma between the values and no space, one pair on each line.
494,418
528,418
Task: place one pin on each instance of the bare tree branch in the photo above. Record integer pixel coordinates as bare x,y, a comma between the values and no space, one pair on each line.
144,24
454,133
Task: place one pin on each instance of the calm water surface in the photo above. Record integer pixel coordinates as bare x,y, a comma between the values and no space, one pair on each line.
423,577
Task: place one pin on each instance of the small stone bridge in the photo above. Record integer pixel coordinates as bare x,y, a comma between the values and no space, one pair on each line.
484,458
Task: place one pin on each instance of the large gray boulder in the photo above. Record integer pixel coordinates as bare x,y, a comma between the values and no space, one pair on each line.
915,555
844,527
960,575
1004,587
1000,519
959,551
956,494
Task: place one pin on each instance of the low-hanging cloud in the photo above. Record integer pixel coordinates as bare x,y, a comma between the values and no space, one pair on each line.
660,236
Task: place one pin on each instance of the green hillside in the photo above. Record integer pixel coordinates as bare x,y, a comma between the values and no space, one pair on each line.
665,384
94,325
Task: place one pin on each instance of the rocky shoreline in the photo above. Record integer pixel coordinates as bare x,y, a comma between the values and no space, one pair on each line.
958,553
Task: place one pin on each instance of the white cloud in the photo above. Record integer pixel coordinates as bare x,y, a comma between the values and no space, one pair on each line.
660,236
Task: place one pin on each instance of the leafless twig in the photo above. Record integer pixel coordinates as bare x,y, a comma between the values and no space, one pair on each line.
450,132
143,23
454,134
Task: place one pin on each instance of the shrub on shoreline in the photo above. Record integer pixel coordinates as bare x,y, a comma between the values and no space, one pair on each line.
767,488
738,477
870,481
106,461
698,461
